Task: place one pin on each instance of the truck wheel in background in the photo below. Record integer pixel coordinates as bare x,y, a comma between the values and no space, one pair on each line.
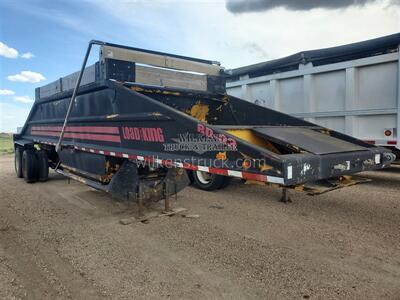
209,182
29,165
43,165
18,161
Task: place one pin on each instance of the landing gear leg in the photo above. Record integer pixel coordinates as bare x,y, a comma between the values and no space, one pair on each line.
140,202
166,201
140,207
285,196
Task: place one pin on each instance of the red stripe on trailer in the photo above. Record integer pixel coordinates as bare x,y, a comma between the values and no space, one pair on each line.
93,129
148,159
391,142
218,171
45,133
82,136
252,176
190,167
167,162
84,129
46,128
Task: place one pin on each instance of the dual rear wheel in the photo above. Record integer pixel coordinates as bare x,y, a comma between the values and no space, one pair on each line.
209,182
31,164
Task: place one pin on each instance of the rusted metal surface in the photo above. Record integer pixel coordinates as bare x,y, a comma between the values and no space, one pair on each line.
324,186
285,196
199,111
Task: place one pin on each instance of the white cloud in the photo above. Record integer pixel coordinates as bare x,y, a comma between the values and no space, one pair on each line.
28,55
27,76
12,115
208,30
23,99
8,51
13,53
6,92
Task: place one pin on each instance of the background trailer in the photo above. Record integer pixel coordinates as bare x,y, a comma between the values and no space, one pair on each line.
354,89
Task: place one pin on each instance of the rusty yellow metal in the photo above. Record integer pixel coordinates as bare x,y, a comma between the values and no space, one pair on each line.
221,155
299,188
249,136
155,91
255,182
265,168
199,111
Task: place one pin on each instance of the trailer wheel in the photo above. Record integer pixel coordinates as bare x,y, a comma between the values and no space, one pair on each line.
18,161
190,175
29,165
43,165
209,182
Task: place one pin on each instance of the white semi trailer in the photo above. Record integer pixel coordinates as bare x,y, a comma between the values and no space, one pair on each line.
354,89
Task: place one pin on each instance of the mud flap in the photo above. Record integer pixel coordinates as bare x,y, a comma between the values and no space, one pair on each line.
323,186
126,184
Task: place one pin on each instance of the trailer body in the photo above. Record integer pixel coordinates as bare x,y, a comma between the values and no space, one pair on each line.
353,89
128,133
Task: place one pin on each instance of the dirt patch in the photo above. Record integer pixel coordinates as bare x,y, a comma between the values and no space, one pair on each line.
60,240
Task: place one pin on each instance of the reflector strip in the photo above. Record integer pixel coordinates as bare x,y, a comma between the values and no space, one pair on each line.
204,169
169,163
235,173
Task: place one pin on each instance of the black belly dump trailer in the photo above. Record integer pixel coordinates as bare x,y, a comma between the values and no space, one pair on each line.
142,125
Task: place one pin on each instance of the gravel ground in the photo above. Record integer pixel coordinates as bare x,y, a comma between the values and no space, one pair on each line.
60,240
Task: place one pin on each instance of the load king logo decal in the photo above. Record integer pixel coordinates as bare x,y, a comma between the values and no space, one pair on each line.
145,134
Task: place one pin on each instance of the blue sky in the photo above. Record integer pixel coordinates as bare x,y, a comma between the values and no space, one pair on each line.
57,32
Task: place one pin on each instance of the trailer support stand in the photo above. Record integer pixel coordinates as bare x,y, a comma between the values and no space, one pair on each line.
140,202
140,207
285,196
167,203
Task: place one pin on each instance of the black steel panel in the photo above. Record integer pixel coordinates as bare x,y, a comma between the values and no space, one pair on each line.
308,139
87,162
119,70
216,84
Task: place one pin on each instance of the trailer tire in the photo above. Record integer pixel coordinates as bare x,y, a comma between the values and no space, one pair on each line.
18,161
43,165
207,181
29,165
190,175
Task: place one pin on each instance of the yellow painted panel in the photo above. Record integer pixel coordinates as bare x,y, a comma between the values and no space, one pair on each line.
249,136
199,111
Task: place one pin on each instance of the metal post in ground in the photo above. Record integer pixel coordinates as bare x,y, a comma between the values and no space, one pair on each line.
140,202
167,207
285,195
